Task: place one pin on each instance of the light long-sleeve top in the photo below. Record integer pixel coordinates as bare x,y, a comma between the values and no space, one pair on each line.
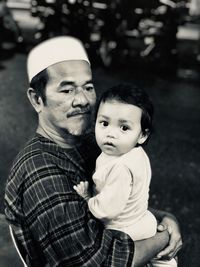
121,193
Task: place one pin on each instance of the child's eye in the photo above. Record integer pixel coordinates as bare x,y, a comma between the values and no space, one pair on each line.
104,123
124,128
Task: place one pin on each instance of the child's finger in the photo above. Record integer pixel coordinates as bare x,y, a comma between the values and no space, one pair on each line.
86,184
75,187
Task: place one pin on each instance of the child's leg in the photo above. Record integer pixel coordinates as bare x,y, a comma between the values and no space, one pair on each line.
164,263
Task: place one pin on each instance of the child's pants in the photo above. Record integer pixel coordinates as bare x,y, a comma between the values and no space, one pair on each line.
163,263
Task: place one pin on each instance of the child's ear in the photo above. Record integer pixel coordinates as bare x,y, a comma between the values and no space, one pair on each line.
143,137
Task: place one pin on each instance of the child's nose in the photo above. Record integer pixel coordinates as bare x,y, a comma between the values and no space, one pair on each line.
112,134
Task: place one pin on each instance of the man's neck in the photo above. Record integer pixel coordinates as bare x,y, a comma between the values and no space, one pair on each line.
64,141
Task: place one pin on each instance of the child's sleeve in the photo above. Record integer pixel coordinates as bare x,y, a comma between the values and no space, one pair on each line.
112,199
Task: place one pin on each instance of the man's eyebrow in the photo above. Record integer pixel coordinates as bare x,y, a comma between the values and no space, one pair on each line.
89,81
63,83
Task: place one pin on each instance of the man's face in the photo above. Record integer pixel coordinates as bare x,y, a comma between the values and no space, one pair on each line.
70,98
118,127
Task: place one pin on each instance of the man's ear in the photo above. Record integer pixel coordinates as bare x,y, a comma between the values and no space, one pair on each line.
36,101
143,137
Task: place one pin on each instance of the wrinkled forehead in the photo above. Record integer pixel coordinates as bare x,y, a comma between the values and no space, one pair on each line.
73,70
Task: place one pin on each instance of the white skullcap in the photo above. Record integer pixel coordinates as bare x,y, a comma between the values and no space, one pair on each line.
53,51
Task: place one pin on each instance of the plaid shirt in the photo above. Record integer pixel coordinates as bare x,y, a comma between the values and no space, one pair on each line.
51,222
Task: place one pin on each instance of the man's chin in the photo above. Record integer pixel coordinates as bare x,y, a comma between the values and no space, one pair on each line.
80,131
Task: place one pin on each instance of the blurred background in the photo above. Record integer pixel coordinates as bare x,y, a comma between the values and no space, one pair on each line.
154,43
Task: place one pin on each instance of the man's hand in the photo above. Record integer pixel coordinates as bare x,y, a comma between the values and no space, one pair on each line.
82,190
170,224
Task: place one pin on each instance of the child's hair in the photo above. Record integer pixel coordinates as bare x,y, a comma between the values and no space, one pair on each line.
134,95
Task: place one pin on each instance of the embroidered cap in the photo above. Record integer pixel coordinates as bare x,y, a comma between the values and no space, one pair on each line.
53,51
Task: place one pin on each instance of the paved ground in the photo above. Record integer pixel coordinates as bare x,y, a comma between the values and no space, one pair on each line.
174,149
8,254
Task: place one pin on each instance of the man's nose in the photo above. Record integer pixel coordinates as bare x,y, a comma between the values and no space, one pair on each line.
80,99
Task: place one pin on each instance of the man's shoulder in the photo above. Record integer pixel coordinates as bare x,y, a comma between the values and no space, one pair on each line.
36,153
31,149
40,153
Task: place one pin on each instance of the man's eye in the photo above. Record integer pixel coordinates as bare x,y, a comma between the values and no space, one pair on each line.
124,128
89,87
104,123
67,90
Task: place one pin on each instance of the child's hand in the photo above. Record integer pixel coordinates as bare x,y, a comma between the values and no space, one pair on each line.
82,189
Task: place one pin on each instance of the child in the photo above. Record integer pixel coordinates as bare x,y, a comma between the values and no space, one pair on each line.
123,172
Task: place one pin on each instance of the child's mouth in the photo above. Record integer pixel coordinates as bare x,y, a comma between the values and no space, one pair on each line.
110,144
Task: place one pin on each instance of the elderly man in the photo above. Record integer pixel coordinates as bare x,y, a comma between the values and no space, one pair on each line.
50,221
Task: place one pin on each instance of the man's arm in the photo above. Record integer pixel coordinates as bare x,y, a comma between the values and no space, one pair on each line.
147,249
165,243
168,222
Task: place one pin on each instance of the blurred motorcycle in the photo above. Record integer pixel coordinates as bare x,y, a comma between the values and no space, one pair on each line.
10,31
114,30
145,33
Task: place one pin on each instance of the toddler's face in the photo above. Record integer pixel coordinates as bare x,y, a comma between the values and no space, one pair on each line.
118,127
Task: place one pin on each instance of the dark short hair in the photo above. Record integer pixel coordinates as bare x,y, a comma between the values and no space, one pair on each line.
134,95
39,82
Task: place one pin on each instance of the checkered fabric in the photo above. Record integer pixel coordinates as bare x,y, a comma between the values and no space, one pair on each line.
51,222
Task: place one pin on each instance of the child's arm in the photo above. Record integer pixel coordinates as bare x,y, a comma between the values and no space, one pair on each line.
112,199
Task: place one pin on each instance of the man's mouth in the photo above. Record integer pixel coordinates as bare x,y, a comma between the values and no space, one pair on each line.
79,113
